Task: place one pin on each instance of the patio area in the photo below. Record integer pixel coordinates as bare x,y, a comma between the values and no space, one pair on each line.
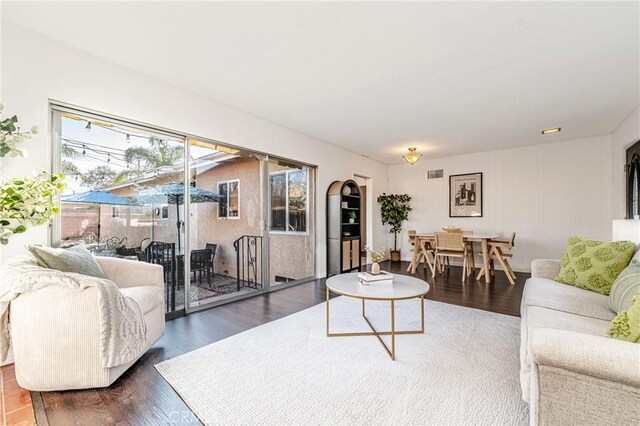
127,193
221,287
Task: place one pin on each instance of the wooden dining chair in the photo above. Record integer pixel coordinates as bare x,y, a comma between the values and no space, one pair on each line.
499,250
447,245
472,256
421,251
411,233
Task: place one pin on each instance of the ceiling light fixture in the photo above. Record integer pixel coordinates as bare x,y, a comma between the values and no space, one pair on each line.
548,131
413,157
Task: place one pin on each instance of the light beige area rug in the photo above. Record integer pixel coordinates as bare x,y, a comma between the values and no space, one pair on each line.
464,370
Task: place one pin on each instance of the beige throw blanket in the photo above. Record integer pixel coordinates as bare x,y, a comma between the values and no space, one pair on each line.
122,327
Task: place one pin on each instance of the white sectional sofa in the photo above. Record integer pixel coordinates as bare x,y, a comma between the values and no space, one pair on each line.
571,372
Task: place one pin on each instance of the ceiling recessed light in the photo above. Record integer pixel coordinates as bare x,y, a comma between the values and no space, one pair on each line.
554,130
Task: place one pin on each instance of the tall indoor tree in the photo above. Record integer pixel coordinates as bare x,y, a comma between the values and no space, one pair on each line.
395,210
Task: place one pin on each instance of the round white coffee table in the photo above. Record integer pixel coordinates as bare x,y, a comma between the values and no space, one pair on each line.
403,288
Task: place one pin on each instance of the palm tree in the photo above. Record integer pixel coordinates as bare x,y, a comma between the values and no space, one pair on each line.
67,167
159,153
69,152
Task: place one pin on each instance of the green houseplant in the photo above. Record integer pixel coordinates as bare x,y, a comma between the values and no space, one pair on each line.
28,201
352,217
395,210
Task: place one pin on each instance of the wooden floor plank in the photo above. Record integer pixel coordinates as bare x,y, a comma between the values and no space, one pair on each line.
142,396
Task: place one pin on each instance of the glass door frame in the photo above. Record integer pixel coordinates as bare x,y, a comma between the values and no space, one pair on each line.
311,231
57,108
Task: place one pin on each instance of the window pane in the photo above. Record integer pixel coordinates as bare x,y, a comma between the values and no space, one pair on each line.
278,188
233,198
298,201
223,204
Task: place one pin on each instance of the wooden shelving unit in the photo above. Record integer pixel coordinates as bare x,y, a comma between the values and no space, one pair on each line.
343,237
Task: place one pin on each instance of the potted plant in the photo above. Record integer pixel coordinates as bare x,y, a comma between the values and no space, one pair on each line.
376,257
28,201
352,217
395,210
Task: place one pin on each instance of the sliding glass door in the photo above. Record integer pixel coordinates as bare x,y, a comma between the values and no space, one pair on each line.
291,223
224,223
123,196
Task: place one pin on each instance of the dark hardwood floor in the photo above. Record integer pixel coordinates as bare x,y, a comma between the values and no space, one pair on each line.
142,397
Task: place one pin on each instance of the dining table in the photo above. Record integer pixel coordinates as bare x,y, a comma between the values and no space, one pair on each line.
427,238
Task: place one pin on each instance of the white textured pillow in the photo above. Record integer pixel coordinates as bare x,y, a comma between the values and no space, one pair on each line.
636,255
73,259
625,287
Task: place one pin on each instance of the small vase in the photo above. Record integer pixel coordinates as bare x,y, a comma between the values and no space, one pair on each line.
375,268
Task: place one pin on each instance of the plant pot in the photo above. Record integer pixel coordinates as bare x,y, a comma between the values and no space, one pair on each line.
375,268
352,220
395,255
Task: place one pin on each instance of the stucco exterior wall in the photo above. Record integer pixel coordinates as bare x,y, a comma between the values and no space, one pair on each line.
291,255
207,227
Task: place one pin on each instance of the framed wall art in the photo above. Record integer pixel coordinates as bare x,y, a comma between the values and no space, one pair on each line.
465,195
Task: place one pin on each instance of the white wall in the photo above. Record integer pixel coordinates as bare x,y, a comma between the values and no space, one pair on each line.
622,138
36,69
545,193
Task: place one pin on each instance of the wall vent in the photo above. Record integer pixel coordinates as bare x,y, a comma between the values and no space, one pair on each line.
435,174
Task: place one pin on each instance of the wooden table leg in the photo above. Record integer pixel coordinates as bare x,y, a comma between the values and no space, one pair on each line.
427,261
414,259
485,262
417,252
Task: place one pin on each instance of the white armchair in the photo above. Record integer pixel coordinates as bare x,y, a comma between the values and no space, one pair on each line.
55,331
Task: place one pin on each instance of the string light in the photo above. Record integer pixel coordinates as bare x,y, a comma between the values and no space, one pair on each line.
96,152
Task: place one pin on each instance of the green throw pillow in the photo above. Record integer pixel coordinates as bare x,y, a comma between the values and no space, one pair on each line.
625,287
626,325
594,265
73,259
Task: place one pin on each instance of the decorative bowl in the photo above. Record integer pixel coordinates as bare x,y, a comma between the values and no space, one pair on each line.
451,229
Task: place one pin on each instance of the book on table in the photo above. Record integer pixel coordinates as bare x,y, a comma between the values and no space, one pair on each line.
382,278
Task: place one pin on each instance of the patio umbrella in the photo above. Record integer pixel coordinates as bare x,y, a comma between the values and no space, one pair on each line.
96,197
173,193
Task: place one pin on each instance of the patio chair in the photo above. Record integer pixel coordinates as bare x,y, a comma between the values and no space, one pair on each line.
201,261
164,254
213,248
140,255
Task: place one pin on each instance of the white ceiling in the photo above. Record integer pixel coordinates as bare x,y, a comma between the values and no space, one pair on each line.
449,78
